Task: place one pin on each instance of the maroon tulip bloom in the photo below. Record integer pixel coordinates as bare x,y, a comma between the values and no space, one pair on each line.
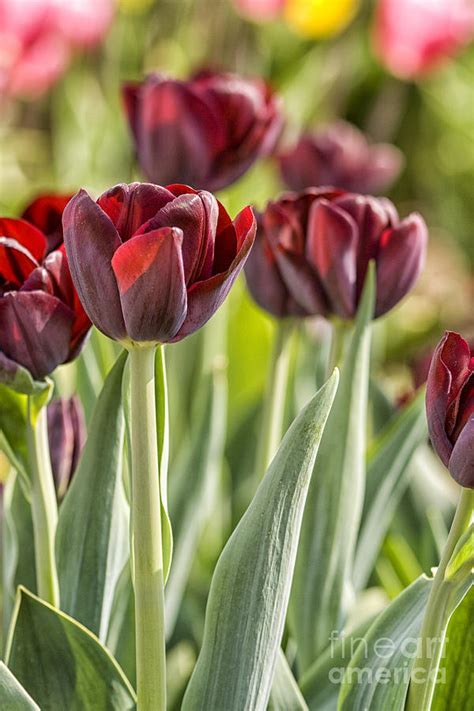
46,213
67,435
340,155
207,131
153,264
450,406
42,322
313,249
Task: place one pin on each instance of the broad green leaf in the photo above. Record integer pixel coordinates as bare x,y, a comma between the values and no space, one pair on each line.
121,633
388,475
194,482
13,697
335,498
251,584
285,694
18,550
20,380
60,663
456,690
379,672
92,536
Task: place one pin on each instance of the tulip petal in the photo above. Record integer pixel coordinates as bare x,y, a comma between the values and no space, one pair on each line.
461,463
45,213
448,372
130,207
91,240
400,261
26,235
205,297
196,215
35,330
150,275
16,263
332,249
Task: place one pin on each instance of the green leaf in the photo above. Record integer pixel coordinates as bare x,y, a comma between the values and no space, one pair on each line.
332,514
13,430
20,380
285,694
60,663
251,584
194,482
456,690
388,476
92,535
462,560
13,697
121,633
379,672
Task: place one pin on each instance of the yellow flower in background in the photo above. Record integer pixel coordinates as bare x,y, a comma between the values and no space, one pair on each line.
320,18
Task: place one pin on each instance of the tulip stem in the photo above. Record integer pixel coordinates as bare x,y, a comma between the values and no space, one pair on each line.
437,614
275,396
146,533
44,507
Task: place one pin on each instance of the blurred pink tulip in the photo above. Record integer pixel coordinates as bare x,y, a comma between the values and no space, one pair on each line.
412,37
260,10
38,36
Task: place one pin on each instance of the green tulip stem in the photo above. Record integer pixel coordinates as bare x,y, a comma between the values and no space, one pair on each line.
437,614
146,533
44,507
275,396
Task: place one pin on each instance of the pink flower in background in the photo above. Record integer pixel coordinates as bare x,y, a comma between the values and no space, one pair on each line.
411,37
37,38
260,10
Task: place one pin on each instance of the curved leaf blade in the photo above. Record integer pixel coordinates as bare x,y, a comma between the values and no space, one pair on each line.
92,536
71,669
13,696
335,498
251,584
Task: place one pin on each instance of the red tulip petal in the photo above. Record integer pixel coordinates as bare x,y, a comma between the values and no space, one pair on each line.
150,275
91,240
449,370
16,263
25,234
130,207
45,212
35,331
461,463
130,96
331,248
196,215
400,261
205,297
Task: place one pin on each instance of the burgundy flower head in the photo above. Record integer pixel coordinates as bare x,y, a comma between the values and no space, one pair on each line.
42,322
153,264
340,155
450,406
207,131
67,435
313,249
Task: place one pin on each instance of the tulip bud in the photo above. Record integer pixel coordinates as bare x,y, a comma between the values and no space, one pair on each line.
450,406
153,264
340,155
207,131
313,249
42,322
67,434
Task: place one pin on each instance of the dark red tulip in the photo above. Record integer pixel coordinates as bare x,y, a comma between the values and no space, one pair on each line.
153,264
46,212
450,406
340,155
207,131
313,249
42,322
67,434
